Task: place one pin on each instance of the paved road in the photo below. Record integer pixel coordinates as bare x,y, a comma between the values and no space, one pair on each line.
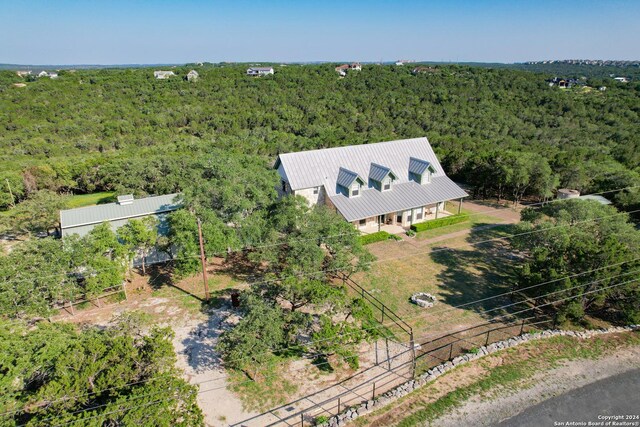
617,395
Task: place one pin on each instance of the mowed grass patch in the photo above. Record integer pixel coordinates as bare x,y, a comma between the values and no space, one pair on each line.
455,271
475,220
82,200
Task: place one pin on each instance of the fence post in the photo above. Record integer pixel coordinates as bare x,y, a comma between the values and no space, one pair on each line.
413,355
522,327
124,289
386,344
376,347
487,341
450,350
382,321
302,419
373,396
338,407
555,321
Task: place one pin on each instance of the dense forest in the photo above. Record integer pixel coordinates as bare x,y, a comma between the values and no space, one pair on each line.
92,130
505,133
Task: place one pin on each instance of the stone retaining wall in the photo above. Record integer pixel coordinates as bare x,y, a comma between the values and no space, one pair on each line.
384,399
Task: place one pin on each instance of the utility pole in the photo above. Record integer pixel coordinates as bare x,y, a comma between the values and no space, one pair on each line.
204,263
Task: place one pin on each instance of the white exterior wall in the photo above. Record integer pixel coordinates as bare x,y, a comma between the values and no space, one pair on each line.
314,199
370,222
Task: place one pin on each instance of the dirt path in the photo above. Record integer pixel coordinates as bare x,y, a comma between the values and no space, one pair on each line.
570,376
194,344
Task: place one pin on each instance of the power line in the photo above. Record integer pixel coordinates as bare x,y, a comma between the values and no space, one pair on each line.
382,325
497,317
249,247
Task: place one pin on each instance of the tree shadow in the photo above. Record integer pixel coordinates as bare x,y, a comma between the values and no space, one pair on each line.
238,266
475,276
200,343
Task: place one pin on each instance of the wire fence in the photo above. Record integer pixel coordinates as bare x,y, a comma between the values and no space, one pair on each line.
401,362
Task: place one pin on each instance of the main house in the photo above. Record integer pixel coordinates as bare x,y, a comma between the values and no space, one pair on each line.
394,183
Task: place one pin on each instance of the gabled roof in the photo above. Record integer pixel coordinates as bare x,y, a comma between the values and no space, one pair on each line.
117,211
328,167
313,168
378,172
419,166
346,178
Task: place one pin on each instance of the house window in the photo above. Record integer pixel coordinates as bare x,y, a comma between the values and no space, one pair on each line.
363,222
316,190
355,189
284,186
387,184
419,215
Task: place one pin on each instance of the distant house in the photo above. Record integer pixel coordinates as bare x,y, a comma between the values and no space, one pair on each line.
162,75
23,73
394,183
50,74
564,83
342,69
404,61
602,88
424,70
192,76
399,63
621,79
259,71
81,221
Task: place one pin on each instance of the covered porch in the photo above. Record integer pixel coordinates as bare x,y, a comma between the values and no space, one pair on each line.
399,222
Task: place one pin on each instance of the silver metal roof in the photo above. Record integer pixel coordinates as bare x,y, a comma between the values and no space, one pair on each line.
346,177
378,172
418,166
408,195
306,169
98,214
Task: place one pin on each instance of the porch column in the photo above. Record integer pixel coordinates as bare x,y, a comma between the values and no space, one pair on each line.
412,217
437,209
460,206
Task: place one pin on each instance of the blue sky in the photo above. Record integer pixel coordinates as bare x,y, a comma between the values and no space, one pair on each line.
179,31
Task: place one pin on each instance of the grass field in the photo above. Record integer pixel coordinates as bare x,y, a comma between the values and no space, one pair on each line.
81,200
454,270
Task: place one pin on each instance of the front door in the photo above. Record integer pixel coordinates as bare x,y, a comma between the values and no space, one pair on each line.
399,218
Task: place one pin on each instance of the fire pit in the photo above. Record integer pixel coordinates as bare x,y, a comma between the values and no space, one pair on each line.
423,299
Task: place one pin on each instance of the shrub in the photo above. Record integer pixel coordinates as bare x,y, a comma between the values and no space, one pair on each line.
442,222
376,237
321,419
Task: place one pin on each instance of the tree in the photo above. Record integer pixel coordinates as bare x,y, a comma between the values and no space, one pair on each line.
37,214
111,376
577,236
140,236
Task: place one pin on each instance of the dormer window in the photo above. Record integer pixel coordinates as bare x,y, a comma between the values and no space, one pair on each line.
381,177
386,185
355,189
420,171
349,183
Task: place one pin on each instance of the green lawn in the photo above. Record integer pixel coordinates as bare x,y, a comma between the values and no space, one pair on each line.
475,219
455,272
81,200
